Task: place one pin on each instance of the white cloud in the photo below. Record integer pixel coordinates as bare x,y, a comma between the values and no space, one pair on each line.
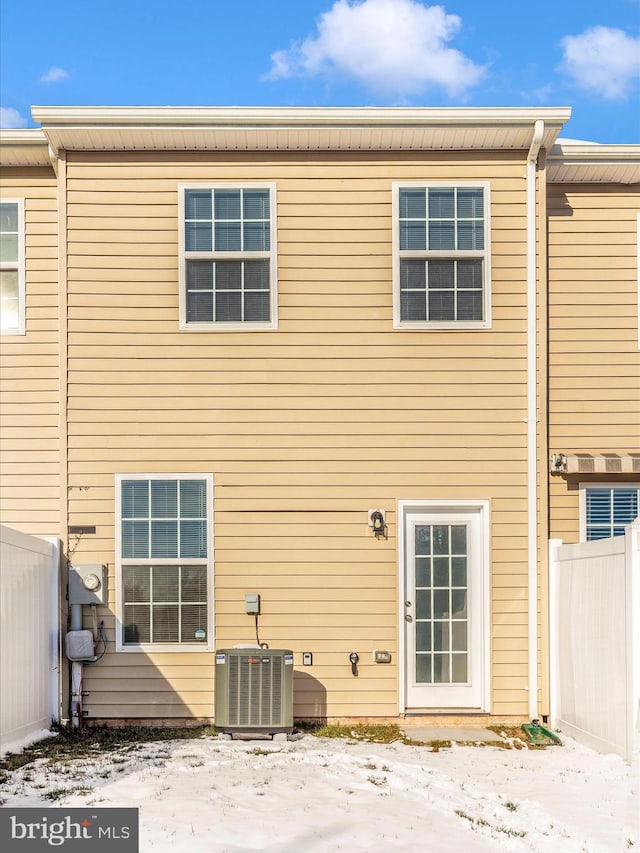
11,118
603,60
54,75
396,47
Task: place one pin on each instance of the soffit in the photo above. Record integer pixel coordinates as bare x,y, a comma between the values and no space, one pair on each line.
574,163
295,129
24,148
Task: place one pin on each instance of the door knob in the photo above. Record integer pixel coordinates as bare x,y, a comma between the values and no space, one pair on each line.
408,618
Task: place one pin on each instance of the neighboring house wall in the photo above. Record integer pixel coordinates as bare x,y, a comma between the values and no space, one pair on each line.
594,362
29,411
304,428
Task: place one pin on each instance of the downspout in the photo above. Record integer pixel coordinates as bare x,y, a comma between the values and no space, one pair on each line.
532,419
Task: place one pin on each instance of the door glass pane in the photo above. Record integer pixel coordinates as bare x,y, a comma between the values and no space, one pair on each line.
441,625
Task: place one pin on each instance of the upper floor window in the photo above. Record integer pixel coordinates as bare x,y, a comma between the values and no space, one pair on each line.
165,561
441,256
12,319
607,510
228,265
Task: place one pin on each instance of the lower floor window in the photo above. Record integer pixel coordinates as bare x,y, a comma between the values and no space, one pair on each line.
608,510
165,556
165,604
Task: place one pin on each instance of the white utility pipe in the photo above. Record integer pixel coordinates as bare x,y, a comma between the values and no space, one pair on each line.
76,671
532,417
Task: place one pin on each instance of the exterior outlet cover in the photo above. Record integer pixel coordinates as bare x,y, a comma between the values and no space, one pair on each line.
380,656
79,645
88,584
252,603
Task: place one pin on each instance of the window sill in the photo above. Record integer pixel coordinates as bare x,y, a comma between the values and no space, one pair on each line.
453,326
228,327
161,648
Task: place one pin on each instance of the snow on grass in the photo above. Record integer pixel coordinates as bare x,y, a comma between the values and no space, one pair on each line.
317,794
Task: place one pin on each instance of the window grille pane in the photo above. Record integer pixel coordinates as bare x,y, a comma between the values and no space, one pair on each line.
470,235
256,306
469,305
199,275
165,584
227,204
228,275
137,584
197,204
625,505
413,275
193,499
164,498
256,237
198,237
470,273
413,235
193,584
135,539
413,203
193,539
228,237
165,623
164,538
194,623
135,499
9,248
470,203
9,299
256,275
228,307
137,627
441,275
413,305
8,216
442,235
423,606
441,305
441,203
199,307
255,204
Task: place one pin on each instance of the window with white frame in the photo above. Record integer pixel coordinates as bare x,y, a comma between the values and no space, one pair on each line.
228,267
607,510
441,256
165,552
12,312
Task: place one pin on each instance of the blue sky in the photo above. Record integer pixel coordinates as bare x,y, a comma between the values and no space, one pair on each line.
579,53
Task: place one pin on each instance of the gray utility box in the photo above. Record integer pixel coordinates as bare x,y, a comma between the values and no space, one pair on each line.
254,691
88,584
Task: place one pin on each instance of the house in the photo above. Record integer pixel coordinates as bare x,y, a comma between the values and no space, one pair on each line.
362,363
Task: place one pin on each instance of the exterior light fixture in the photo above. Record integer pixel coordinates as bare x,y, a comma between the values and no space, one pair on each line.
377,522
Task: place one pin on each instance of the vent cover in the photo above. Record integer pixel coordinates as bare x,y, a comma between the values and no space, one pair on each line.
254,690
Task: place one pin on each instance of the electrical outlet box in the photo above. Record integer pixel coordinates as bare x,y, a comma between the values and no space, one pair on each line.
88,584
307,659
252,603
79,645
381,656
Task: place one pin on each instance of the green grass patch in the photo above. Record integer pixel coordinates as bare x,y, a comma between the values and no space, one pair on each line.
378,733
70,744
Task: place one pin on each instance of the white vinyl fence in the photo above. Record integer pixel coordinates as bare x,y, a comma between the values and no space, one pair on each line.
29,635
595,642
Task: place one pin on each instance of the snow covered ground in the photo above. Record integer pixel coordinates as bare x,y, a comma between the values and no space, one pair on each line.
317,794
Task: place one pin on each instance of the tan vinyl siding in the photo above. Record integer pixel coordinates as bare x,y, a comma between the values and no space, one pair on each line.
29,410
304,428
594,361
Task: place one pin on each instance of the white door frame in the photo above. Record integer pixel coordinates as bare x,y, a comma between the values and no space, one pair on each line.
482,507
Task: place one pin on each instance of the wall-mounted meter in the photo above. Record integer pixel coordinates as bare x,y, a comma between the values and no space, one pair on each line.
88,584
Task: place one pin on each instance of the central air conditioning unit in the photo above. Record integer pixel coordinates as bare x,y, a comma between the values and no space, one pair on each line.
254,691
